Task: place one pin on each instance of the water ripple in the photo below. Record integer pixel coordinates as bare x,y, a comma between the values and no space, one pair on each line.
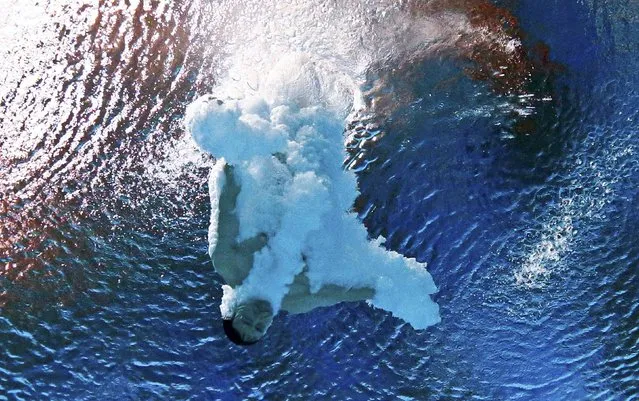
106,291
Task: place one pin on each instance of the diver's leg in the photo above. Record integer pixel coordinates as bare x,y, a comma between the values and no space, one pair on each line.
233,260
300,299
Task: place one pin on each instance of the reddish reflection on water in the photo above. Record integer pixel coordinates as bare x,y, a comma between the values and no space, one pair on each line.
90,95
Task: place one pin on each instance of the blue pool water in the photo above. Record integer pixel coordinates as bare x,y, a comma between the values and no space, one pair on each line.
107,291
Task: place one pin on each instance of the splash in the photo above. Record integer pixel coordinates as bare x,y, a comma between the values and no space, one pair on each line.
288,160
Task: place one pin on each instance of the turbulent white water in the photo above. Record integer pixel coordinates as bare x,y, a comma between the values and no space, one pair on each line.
301,200
291,75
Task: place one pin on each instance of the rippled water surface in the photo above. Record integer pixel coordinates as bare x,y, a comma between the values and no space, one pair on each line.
529,223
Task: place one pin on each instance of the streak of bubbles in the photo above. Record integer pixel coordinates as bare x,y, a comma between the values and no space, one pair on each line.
598,169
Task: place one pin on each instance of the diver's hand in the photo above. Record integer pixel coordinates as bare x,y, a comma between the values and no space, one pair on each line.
253,244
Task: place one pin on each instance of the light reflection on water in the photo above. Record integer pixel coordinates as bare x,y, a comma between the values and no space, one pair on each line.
106,290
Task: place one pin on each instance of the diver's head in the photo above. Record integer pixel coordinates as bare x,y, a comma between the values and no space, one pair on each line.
250,322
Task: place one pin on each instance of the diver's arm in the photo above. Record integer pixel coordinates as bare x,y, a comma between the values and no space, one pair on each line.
300,299
253,244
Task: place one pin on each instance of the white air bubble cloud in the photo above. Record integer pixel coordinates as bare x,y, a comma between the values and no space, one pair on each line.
291,77
301,200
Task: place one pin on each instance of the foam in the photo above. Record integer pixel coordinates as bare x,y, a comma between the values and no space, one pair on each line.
301,200
278,116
